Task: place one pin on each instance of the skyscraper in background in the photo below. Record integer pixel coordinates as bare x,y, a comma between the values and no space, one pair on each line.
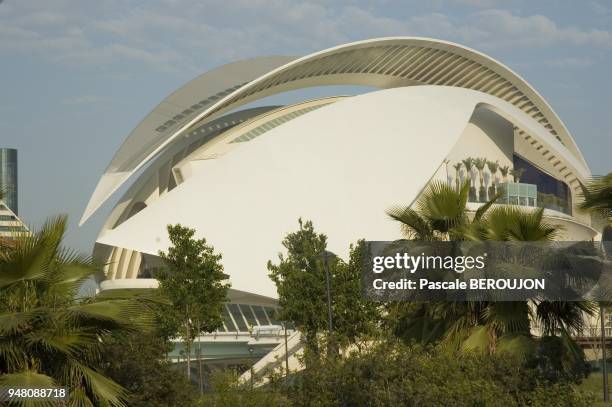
8,177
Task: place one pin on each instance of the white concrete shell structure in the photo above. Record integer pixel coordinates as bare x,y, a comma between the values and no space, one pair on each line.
242,178
10,224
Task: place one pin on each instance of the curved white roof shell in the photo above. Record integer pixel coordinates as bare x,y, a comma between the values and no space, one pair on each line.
341,165
384,63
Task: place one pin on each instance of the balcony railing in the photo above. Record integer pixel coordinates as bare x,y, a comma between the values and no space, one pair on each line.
516,193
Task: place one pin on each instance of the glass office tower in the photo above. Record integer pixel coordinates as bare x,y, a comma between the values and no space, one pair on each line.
8,177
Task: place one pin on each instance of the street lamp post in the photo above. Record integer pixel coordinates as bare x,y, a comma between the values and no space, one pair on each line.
604,366
330,323
286,352
605,241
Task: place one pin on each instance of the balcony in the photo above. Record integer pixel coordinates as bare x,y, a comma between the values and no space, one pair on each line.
522,194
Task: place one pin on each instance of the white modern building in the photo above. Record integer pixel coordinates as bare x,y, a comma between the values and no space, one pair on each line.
11,227
241,174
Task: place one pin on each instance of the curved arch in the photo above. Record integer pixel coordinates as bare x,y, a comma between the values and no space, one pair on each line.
160,126
384,63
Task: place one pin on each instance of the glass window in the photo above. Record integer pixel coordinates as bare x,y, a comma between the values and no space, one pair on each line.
551,192
532,190
237,315
272,315
261,315
248,314
228,320
12,228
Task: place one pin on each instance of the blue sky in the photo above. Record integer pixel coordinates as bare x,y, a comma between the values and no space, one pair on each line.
76,76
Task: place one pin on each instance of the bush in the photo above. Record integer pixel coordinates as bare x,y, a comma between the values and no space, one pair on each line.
137,362
227,391
397,374
554,362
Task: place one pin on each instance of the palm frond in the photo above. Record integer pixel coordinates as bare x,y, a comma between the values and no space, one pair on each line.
478,340
597,196
30,258
480,212
508,223
442,206
412,224
12,323
58,340
28,379
508,317
518,344
103,389
557,316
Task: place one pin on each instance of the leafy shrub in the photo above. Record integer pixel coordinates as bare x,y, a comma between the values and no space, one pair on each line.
227,391
136,361
397,374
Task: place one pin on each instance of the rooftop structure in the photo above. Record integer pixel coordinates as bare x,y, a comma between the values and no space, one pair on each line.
8,178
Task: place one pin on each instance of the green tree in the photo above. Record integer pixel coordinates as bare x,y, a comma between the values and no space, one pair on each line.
597,197
493,167
300,280
504,169
192,279
480,164
47,338
355,318
457,167
469,164
517,173
136,361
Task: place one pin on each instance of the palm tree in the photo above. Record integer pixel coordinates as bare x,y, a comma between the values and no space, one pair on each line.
517,173
440,213
504,172
47,338
597,198
457,168
468,164
481,325
480,163
493,167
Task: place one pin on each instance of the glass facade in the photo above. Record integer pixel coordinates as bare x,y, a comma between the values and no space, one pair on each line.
518,194
261,129
551,192
8,177
237,315
244,317
534,188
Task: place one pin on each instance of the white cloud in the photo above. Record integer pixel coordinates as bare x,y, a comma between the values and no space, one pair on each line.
182,35
507,29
